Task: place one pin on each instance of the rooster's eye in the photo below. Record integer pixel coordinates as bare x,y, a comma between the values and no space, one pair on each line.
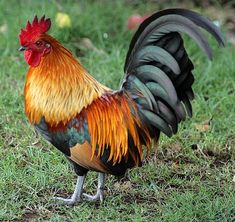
38,43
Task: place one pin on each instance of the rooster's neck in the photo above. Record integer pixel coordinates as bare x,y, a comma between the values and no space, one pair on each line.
59,88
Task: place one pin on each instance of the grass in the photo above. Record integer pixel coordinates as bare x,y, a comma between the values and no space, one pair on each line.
188,178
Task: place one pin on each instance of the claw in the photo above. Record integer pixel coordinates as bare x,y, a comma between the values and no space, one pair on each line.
99,196
68,202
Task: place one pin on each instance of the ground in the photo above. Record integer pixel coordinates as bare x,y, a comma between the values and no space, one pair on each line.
190,177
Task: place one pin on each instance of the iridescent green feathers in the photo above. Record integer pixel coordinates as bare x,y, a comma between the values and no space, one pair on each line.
158,71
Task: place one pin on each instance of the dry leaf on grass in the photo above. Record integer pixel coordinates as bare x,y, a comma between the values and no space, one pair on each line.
63,20
127,185
3,28
203,126
86,43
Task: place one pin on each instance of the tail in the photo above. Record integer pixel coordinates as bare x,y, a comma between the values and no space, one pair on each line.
158,71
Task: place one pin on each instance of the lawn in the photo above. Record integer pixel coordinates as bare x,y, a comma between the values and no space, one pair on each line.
190,177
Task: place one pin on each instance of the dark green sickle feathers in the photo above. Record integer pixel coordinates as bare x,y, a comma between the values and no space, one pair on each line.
158,70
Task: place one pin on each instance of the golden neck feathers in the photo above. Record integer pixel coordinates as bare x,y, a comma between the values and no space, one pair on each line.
59,87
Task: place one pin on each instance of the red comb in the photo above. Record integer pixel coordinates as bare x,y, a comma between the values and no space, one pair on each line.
34,30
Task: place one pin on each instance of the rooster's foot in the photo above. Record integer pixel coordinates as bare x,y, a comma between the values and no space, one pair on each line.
77,194
69,202
99,196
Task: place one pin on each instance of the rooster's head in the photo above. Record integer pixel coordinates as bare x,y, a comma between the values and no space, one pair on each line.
33,40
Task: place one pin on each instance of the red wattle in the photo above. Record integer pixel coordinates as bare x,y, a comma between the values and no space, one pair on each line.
32,58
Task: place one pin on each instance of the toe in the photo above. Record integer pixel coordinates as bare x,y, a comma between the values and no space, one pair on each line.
67,202
99,196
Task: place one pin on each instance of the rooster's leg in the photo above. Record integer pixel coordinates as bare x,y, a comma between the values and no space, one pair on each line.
77,194
100,193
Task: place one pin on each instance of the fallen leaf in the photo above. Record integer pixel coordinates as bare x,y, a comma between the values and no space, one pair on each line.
86,43
63,20
3,28
135,20
176,164
203,126
123,186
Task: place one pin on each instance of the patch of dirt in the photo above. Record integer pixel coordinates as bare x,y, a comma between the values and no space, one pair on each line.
220,158
172,154
29,215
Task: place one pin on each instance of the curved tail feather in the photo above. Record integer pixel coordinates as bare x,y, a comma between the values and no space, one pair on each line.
158,71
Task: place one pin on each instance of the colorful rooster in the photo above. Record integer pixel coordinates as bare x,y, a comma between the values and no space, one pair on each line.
104,130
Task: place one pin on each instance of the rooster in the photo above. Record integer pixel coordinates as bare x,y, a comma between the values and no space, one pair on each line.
98,128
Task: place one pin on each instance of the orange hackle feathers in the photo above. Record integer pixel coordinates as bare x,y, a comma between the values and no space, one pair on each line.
55,89
34,30
110,119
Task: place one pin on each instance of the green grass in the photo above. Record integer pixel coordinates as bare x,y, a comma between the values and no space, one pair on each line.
177,183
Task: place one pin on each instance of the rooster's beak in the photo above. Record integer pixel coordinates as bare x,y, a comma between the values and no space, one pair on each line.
22,48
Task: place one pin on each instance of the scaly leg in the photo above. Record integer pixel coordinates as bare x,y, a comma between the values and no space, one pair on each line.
77,194
100,193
